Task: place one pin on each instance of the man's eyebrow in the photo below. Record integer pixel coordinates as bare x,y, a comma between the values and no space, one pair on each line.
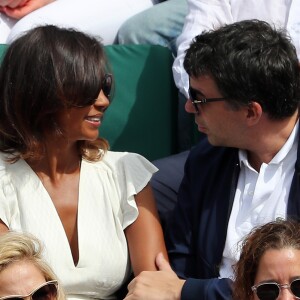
197,92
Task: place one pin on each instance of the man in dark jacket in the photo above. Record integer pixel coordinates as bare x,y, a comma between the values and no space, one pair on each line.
244,94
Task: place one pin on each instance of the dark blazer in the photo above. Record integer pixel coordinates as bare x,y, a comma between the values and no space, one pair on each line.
196,230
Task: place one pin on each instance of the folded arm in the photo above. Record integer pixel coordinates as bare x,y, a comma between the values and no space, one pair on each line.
19,8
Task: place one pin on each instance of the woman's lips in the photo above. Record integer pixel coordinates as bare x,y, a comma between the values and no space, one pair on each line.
94,120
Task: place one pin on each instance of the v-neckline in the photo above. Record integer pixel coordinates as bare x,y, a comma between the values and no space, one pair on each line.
39,184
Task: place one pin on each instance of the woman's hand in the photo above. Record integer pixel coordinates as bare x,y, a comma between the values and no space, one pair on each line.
17,9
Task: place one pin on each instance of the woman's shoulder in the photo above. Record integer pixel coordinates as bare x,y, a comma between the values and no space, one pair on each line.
3,165
115,157
10,169
6,183
120,160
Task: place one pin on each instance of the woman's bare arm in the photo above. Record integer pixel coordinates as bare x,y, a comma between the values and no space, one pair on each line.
145,235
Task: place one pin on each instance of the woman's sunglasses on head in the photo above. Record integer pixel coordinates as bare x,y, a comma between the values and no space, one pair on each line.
46,291
271,290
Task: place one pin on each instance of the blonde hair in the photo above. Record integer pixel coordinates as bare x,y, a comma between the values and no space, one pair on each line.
16,246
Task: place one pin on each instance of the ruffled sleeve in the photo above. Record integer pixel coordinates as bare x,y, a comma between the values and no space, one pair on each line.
133,172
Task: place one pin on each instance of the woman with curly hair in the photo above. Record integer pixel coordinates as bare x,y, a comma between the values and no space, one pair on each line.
269,265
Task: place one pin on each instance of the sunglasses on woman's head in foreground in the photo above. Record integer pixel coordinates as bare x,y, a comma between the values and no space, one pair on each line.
271,290
46,291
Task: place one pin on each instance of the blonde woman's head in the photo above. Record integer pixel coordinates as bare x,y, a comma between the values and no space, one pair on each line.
22,267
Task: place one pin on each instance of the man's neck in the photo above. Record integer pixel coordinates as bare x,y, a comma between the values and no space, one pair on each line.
270,140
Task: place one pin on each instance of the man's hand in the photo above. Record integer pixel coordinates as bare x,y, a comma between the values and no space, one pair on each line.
154,285
24,7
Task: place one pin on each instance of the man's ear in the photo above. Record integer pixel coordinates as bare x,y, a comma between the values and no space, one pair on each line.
254,113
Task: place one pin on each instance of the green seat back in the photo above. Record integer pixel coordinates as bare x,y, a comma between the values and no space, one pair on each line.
2,50
142,116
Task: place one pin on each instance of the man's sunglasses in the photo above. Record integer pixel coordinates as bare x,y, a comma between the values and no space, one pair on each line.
271,290
46,291
193,96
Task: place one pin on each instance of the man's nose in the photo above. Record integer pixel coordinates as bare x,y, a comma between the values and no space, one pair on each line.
189,107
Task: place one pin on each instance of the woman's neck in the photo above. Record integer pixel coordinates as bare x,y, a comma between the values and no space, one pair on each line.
59,160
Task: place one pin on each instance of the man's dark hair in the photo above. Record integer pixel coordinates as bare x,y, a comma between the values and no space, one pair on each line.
249,61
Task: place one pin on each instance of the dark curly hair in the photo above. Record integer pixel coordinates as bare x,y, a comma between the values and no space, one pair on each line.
278,234
249,61
44,71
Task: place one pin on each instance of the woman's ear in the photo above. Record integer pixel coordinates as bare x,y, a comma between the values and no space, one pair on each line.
254,113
